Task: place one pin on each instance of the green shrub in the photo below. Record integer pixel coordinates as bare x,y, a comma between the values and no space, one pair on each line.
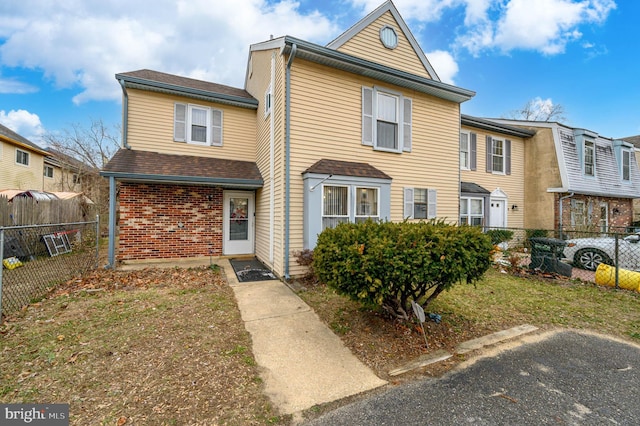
499,235
388,265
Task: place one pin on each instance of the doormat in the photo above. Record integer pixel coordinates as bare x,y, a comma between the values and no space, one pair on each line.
251,270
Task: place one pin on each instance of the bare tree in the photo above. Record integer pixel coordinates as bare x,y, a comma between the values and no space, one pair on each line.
538,109
93,146
81,152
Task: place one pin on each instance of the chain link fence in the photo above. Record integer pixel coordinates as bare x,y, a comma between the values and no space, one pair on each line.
606,258
35,258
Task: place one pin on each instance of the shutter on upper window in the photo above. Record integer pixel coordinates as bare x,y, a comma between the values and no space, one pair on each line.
489,155
432,203
216,127
406,125
473,151
507,156
180,122
408,203
367,116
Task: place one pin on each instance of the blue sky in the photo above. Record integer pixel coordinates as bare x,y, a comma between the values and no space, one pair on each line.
58,59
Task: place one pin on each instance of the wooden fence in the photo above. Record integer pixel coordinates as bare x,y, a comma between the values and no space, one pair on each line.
27,211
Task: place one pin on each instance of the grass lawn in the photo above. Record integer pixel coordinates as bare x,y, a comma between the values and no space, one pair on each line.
496,302
161,347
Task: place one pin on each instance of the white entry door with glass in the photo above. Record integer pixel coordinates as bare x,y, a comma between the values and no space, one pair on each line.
238,227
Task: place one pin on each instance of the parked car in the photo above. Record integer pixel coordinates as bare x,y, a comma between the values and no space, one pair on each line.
588,253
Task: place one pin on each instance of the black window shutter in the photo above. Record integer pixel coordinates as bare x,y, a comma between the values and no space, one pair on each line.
489,155
507,156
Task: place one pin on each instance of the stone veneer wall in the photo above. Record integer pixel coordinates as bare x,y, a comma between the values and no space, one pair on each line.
160,221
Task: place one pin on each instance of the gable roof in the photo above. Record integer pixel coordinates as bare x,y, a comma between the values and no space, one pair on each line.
343,61
11,136
385,7
346,168
198,89
145,166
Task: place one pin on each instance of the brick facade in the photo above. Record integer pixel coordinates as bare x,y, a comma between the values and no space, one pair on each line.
620,212
169,221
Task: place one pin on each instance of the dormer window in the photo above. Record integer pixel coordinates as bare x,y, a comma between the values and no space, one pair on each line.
589,158
626,165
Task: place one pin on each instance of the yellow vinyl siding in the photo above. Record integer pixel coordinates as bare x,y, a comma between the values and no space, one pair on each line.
326,123
257,85
512,185
18,176
367,45
151,127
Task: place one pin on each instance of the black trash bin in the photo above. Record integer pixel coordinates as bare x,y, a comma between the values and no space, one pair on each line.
546,255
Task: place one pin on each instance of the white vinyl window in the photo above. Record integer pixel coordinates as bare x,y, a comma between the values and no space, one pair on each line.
22,157
48,172
497,156
366,204
465,151
626,165
197,124
471,211
420,203
335,205
589,158
267,101
386,120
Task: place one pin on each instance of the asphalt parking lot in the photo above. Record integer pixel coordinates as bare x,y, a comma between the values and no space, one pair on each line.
554,378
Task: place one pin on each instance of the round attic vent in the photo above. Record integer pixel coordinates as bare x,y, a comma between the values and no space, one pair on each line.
389,37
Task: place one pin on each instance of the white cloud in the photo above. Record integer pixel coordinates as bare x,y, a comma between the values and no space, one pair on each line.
546,26
444,64
82,44
24,123
12,85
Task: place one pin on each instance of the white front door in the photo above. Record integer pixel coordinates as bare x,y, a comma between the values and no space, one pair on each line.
238,222
497,214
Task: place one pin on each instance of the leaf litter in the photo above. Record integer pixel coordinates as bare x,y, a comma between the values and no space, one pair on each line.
154,346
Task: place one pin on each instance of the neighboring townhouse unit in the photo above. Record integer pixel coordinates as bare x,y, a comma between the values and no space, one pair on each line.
576,179
64,173
361,128
492,173
24,167
22,162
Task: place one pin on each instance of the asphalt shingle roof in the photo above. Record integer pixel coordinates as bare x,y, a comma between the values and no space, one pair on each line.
7,132
148,164
189,83
346,168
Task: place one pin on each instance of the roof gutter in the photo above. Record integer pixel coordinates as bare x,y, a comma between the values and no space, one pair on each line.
125,114
287,161
329,57
157,178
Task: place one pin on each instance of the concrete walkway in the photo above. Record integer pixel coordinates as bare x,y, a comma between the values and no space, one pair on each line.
302,362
